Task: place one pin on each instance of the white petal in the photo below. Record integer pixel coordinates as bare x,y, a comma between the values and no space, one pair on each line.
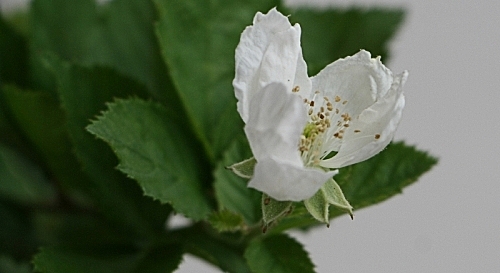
357,80
286,182
376,124
276,120
269,51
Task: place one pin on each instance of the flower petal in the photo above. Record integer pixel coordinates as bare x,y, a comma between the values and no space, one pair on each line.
354,83
269,51
276,120
287,182
376,126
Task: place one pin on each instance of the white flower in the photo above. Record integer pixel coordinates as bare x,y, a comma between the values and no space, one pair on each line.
299,128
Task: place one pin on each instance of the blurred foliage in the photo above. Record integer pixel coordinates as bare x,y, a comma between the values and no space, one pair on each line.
153,80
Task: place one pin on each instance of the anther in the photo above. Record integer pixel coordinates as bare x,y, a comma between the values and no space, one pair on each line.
296,89
311,103
344,102
357,131
337,98
377,136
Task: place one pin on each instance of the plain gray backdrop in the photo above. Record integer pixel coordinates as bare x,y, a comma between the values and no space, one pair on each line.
448,221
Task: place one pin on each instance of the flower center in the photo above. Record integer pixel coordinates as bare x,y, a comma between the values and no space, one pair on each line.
320,137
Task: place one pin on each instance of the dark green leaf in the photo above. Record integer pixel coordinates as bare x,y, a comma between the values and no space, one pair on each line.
231,191
22,181
13,55
278,254
227,256
61,260
160,260
118,34
332,34
16,232
153,150
198,40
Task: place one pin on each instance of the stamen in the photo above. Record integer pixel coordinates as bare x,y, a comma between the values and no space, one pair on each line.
296,89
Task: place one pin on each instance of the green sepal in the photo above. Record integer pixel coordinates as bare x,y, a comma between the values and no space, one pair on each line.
329,194
244,168
273,209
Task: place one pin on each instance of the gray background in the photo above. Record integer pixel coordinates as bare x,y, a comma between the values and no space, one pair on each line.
448,221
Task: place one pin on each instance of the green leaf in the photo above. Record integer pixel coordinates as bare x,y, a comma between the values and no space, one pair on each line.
13,55
119,34
328,35
372,181
231,191
273,209
153,150
278,254
244,169
83,93
225,220
198,40
329,194
384,175
22,181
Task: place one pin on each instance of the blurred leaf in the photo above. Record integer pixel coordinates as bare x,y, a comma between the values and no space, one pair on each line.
223,252
160,260
198,40
231,191
118,34
153,150
225,220
83,93
9,265
155,259
80,230
372,181
16,233
57,260
332,34
39,118
278,254
22,181
13,55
